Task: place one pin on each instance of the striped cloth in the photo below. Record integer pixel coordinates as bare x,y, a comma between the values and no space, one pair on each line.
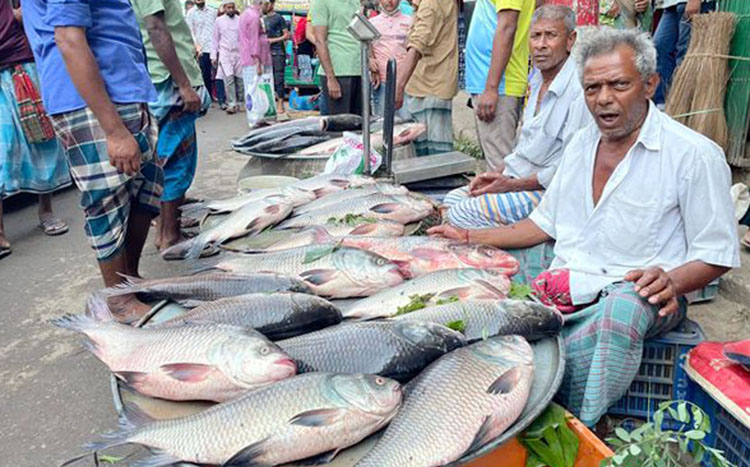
491,210
34,119
24,166
106,194
603,342
436,115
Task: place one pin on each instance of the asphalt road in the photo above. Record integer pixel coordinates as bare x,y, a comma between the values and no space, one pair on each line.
54,398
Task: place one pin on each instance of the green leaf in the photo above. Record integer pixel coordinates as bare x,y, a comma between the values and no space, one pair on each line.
673,413
682,412
695,434
699,454
697,418
109,459
519,291
416,302
619,458
683,444
457,325
635,450
533,461
658,418
622,434
316,254
443,301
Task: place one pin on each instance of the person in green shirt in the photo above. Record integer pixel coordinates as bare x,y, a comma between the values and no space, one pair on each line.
339,54
182,98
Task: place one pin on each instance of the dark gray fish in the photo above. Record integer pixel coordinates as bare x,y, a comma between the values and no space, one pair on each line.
286,145
343,122
276,316
397,350
280,129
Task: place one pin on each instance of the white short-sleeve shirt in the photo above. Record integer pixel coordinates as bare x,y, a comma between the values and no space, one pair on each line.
666,204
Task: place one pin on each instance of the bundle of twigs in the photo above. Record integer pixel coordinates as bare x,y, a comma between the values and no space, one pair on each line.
696,97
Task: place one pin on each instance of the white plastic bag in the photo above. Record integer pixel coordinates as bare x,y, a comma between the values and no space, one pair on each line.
348,160
259,97
741,198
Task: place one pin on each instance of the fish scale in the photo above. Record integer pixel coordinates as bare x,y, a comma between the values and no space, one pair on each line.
351,193
325,233
445,406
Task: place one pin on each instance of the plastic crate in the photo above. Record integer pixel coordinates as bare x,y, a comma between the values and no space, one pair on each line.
661,376
727,433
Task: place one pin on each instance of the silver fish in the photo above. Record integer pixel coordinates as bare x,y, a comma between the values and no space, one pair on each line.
458,404
280,129
276,316
464,284
191,291
325,184
190,362
399,208
345,195
397,350
484,318
327,233
316,414
329,271
296,196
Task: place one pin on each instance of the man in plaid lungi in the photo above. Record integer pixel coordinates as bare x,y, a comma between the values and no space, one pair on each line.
95,85
641,216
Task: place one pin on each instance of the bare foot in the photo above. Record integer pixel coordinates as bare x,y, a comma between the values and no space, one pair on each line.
127,309
745,240
5,249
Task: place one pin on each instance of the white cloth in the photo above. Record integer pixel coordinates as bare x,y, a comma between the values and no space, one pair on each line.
201,23
666,204
226,46
543,136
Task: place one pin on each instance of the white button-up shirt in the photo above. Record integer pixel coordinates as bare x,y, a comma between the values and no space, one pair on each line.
666,204
543,135
201,22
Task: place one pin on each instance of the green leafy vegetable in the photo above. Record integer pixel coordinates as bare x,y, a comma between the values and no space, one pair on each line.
550,441
520,291
109,459
458,325
443,301
416,302
351,220
316,254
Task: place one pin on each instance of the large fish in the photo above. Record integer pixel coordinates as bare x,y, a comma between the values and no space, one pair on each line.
256,135
191,291
286,144
329,271
399,208
276,316
325,184
484,318
458,404
325,233
418,255
464,284
397,350
310,415
250,219
345,195
296,196
191,362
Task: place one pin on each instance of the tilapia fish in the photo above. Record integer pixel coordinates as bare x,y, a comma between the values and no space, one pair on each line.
191,291
326,233
276,316
464,284
296,196
397,350
457,405
329,271
250,219
191,362
417,255
399,208
484,318
310,415
325,184
346,195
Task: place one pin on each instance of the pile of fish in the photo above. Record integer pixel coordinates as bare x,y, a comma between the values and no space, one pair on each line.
435,352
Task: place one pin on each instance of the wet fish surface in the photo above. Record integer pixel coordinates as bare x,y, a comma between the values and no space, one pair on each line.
310,415
191,362
327,232
397,350
352,193
461,284
276,316
325,184
457,405
296,196
485,318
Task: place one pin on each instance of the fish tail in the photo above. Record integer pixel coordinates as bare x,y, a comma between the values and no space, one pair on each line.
194,246
129,285
81,324
128,421
98,309
200,265
192,209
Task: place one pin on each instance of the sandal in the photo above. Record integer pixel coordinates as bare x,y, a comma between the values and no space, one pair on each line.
53,226
5,250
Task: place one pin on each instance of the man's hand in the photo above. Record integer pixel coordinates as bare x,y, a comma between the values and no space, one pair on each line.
198,49
124,152
214,63
260,69
641,5
334,89
613,12
449,232
655,285
692,8
191,102
487,105
490,182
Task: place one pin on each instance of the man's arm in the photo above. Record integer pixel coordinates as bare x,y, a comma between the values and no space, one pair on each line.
522,234
496,182
502,48
164,45
124,152
282,38
321,36
413,56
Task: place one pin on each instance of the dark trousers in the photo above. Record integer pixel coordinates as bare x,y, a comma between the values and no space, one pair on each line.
351,96
279,66
204,61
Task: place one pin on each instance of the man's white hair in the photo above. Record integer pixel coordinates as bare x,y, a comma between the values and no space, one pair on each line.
594,41
556,13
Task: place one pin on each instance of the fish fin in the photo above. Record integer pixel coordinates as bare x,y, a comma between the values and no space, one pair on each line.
193,247
385,208
190,303
429,254
482,436
491,288
201,265
129,285
364,229
80,324
506,382
128,421
133,416
320,417
320,234
274,208
130,378
460,292
256,225
318,276
324,458
404,266
188,372
159,459
248,456
320,192
98,309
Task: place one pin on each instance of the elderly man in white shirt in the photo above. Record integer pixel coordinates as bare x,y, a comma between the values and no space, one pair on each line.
641,214
554,112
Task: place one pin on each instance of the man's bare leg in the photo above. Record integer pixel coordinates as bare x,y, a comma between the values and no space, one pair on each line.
4,243
169,232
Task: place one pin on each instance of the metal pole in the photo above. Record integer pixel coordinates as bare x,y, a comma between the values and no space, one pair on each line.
366,103
390,113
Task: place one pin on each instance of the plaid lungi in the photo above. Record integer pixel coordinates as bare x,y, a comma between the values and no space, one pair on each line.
603,343
436,115
106,194
491,210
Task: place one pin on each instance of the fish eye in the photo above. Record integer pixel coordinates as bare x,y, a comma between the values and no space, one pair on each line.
379,381
265,350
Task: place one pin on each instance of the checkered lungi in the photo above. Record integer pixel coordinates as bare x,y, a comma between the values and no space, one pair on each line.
106,194
435,114
491,210
603,342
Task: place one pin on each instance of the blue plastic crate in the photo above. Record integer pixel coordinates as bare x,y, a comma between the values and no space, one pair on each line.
661,376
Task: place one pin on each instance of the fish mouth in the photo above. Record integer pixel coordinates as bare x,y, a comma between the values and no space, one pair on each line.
286,362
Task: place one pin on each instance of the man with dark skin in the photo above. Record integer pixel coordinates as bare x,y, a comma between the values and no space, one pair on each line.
641,215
